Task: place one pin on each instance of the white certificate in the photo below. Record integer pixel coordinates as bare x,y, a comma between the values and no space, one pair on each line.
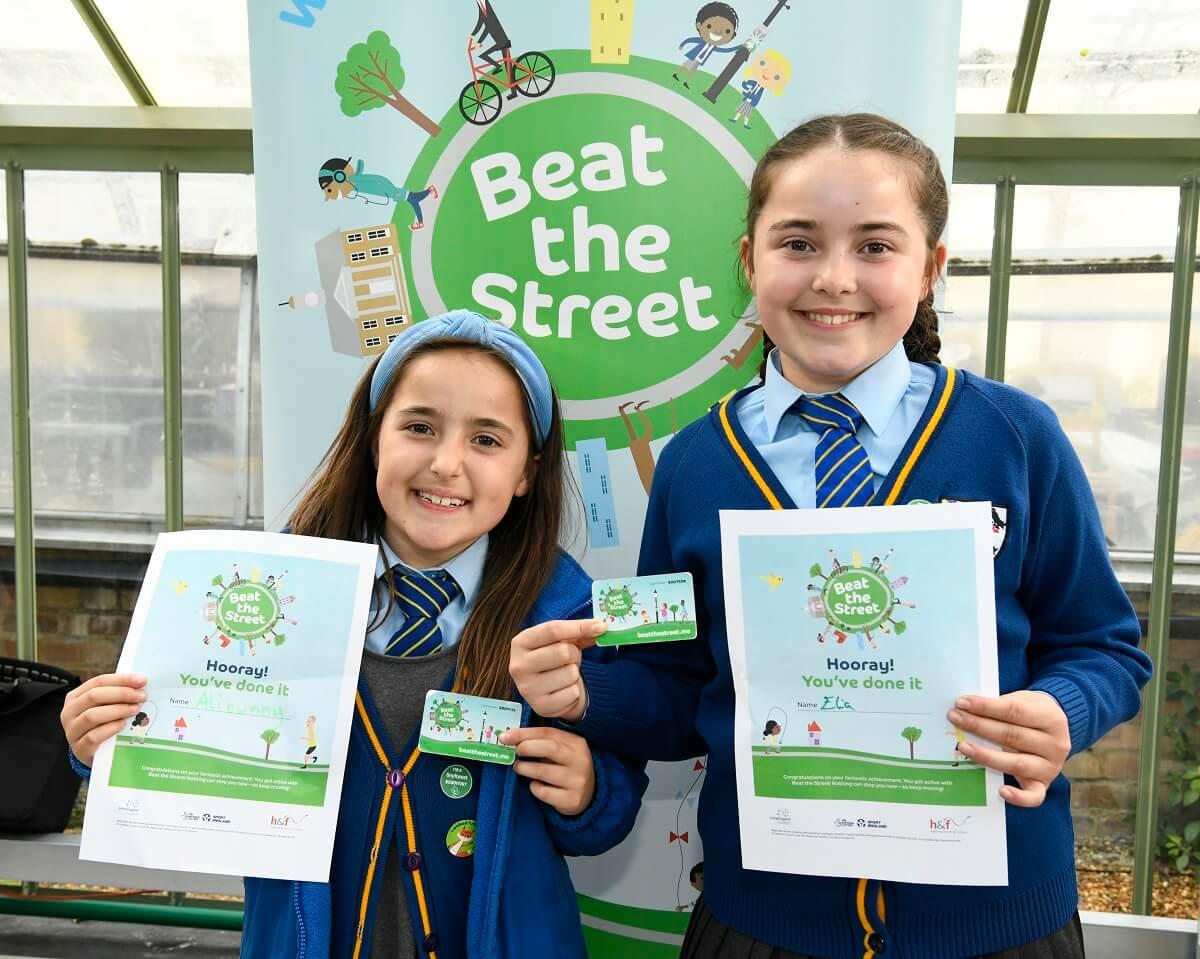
851,634
251,643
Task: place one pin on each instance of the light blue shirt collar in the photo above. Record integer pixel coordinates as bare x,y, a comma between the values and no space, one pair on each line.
876,391
466,567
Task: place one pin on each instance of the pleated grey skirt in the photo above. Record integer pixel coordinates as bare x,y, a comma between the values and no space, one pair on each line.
708,938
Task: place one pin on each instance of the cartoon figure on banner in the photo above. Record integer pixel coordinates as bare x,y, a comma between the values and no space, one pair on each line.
755,40
338,179
246,610
682,837
530,74
856,599
715,23
371,77
770,71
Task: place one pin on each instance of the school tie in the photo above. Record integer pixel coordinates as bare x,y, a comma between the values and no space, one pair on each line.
422,598
841,467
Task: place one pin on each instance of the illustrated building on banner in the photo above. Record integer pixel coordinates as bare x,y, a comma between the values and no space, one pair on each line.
595,481
612,30
363,289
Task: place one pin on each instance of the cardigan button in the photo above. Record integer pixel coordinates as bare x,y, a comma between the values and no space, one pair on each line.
412,862
876,942
431,942
395,778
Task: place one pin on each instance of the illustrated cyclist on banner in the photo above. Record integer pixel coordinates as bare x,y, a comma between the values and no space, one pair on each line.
488,27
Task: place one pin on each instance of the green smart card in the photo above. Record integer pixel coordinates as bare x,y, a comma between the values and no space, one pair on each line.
468,727
645,609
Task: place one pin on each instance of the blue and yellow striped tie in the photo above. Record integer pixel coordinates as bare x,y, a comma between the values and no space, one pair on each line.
841,468
422,598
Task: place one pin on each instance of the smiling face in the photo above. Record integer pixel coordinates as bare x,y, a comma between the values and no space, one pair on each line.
715,29
452,452
838,262
772,72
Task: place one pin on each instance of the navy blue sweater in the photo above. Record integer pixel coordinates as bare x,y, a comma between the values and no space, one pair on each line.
1064,626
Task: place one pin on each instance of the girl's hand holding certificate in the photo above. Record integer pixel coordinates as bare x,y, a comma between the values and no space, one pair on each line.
1031,729
99,709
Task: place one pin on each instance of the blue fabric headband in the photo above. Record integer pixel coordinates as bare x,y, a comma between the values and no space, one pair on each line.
466,325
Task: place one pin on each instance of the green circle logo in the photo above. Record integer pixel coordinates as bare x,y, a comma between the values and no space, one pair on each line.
857,599
457,781
448,715
247,611
600,224
617,602
460,838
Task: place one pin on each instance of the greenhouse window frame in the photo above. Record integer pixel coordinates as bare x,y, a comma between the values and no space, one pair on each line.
1002,150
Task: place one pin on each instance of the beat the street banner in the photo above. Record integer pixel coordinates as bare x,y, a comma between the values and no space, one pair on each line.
851,634
251,644
576,170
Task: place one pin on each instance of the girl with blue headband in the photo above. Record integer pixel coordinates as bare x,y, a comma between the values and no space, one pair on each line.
451,458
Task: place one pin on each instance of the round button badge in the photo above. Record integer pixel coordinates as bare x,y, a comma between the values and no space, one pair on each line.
457,781
460,838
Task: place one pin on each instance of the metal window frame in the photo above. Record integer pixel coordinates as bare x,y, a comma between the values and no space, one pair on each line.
1004,150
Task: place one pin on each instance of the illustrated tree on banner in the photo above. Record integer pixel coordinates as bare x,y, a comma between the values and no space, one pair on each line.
371,76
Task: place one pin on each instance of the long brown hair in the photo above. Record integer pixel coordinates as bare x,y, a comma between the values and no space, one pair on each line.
342,503
862,132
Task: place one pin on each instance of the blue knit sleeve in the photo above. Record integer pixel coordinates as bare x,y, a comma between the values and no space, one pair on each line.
84,772
1084,634
644,702
620,783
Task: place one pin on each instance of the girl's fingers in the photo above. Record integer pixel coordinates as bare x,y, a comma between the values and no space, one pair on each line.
1022,739
550,773
102,716
1028,796
545,684
547,658
558,703
1024,766
581,632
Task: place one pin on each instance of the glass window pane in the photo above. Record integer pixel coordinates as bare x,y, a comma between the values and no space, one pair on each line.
987,52
1187,535
216,214
190,55
255,465
1087,333
95,356
6,489
211,297
1113,56
216,223
965,301
48,57
93,209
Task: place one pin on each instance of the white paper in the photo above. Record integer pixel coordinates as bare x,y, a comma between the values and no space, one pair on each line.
851,633
251,643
